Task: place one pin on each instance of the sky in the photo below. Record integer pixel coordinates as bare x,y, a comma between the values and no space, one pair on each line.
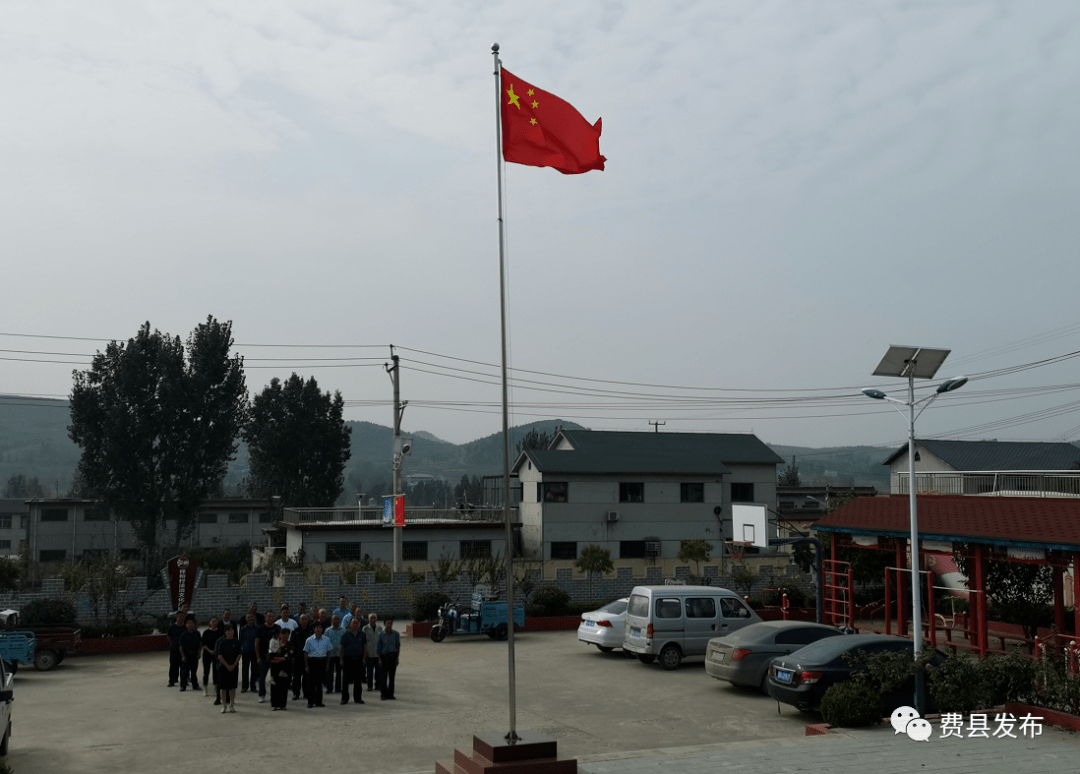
791,187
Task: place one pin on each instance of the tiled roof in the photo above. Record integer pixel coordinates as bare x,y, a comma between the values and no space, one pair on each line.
652,453
1021,521
998,455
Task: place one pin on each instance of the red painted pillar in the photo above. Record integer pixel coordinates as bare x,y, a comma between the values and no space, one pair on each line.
901,603
978,623
1059,599
1076,593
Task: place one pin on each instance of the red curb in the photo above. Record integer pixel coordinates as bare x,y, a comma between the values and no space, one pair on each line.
1049,716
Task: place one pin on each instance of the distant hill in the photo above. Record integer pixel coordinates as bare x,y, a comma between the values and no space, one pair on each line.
34,442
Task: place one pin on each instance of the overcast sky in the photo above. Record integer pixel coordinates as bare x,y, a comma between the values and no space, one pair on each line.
790,188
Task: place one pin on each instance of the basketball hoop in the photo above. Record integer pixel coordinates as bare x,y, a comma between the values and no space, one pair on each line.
736,548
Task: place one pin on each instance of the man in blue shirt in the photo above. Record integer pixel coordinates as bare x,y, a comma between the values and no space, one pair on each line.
316,650
353,651
333,663
388,650
341,611
249,632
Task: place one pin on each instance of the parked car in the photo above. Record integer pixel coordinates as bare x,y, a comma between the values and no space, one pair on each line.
743,657
7,696
801,678
673,622
604,627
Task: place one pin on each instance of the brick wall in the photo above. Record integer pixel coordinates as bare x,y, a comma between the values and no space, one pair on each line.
394,598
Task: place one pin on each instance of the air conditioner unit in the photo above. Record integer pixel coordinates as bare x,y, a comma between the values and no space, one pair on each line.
612,515
652,548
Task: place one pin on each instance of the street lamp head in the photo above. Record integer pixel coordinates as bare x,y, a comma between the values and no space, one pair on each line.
870,392
952,384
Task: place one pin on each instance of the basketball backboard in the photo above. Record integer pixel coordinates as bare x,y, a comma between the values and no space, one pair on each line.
750,524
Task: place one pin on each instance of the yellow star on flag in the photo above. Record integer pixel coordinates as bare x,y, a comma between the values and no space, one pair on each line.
531,92
535,104
513,97
532,120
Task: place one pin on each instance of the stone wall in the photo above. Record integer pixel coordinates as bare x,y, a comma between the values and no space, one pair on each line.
393,598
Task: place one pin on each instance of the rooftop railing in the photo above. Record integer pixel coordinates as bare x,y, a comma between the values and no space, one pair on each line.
374,515
992,484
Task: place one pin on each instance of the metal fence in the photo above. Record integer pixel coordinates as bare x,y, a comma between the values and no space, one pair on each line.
1025,484
363,516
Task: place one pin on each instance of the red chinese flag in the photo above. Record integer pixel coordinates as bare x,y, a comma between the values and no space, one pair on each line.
541,130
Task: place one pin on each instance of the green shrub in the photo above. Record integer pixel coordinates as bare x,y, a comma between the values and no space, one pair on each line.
51,611
425,605
1008,678
850,704
550,600
959,684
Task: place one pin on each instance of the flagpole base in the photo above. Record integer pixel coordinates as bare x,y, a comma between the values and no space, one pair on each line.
532,753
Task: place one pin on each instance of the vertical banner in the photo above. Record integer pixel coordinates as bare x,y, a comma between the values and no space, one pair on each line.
181,576
393,510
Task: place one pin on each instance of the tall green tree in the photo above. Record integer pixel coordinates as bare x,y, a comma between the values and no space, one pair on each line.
157,423
592,560
298,442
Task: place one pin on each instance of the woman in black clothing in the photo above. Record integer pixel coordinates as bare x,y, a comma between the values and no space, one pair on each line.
228,669
209,640
280,674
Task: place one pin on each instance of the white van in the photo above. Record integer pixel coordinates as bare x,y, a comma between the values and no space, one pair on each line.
677,621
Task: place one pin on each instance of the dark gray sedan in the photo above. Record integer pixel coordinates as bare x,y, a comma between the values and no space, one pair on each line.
743,656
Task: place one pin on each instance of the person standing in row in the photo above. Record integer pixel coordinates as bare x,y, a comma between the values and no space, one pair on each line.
284,621
228,665
190,645
264,635
249,632
176,659
227,620
341,611
334,633
299,636
316,650
352,652
389,652
281,665
209,640
371,659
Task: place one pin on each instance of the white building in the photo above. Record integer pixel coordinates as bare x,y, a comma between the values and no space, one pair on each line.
638,494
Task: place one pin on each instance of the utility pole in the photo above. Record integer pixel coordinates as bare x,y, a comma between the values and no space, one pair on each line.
657,425
398,453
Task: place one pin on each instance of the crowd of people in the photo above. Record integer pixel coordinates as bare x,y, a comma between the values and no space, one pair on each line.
314,655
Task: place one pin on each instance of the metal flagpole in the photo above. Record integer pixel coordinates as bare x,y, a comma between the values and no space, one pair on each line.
511,736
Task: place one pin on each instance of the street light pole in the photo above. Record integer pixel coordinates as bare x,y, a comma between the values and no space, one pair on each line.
906,359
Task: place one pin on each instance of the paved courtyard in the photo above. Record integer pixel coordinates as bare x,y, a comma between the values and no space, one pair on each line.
115,714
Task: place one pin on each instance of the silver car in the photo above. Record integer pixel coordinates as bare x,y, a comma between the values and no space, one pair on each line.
743,657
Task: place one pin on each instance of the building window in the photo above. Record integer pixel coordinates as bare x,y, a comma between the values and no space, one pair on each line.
475,549
208,518
343,552
238,518
554,491
414,550
95,553
52,555
632,492
564,550
5,545
54,514
5,521
692,493
742,493
266,517
631,549
95,514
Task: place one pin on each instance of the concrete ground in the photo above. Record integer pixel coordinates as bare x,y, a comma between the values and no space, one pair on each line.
115,714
